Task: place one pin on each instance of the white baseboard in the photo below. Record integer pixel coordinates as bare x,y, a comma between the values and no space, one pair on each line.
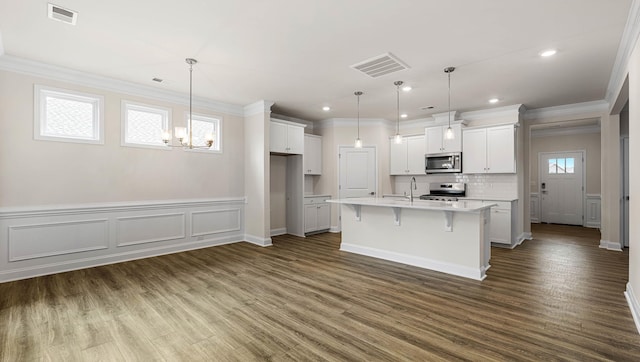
634,305
280,231
257,240
610,245
335,229
467,272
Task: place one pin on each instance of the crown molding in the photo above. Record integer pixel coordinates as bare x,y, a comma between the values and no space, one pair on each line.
309,124
353,122
565,131
513,111
43,70
575,110
627,44
259,107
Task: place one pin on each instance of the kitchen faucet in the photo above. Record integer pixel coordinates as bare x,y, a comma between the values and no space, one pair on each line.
413,185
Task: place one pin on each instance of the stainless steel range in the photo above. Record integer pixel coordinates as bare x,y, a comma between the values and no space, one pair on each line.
445,191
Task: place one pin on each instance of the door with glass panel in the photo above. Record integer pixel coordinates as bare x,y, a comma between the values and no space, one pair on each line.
561,187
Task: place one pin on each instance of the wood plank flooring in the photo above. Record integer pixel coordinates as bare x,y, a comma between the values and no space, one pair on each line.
557,297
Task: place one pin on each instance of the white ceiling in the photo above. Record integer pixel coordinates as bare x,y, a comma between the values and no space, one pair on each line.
299,53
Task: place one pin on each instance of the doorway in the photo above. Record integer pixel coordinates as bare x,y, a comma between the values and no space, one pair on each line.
561,184
625,191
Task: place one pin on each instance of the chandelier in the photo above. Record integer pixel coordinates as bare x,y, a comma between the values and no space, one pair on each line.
185,134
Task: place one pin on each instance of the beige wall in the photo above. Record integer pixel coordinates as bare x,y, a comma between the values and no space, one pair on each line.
47,173
585,141
374,133
258,177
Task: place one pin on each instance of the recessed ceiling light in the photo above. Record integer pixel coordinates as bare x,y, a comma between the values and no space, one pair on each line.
494,100
404,115
326,108
548,53
406,88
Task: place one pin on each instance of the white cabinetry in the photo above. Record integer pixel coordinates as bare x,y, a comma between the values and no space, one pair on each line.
317,214
489,150
503,222
286,137
436,142
312,155
407,158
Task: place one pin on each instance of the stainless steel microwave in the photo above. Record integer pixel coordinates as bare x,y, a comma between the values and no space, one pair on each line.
443,163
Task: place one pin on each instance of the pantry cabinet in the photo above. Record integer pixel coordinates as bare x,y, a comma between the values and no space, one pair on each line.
286,137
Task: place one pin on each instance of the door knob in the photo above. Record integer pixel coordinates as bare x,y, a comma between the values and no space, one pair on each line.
372,193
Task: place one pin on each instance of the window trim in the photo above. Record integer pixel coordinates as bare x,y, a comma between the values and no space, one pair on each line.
124,107
39,113
218,136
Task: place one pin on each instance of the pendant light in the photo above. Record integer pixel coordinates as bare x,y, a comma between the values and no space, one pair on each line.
181,133
449,132
398,138
358,143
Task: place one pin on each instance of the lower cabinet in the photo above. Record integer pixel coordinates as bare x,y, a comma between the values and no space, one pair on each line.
503,218
317,214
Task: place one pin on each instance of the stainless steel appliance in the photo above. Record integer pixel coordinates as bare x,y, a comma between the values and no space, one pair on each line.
445,191
443,163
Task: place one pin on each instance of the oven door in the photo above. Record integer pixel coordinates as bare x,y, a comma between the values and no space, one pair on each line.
443,163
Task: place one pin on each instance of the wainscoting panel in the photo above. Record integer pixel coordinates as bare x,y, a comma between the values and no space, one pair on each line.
214,222
51,239
593,209
133,230
57,238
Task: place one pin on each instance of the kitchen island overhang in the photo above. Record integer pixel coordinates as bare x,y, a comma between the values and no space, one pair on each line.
449,237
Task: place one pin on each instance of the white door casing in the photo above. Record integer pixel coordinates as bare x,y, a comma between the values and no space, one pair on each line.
561,186
625,191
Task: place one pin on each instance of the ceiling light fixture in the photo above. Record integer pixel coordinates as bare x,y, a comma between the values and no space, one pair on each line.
494,100
398,138
449,133
358,143
181,133
407,88
404,115
548,53
326,108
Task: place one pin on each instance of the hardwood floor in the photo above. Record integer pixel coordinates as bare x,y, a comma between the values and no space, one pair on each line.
557,297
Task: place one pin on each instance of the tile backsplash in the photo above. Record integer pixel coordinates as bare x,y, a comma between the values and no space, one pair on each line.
480,185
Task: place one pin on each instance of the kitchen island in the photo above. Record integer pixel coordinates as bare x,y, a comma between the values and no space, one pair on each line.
449,237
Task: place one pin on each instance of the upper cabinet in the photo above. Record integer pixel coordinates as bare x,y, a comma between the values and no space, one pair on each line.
436,142
407,158
312,155
286,137
489,150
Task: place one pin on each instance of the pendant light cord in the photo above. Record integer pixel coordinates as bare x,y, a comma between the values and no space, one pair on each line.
449,74
358,114
190,105
398,109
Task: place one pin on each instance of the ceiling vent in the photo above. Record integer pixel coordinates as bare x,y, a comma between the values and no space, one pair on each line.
381,65
61,14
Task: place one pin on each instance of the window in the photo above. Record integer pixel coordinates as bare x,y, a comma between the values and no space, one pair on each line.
68,116
561,165
142,125
202,126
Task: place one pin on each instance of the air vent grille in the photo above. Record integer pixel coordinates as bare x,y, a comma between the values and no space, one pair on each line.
61,14
381,65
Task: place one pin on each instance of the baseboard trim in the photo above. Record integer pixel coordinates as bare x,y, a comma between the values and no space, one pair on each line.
257,240
634,305
91,262
280,231
335,229
610,245
462,271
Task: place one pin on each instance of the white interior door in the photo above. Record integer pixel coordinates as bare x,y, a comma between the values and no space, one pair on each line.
561,187
357,172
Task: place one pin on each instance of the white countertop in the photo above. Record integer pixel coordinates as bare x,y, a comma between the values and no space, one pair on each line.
458,206
320,195
488,198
